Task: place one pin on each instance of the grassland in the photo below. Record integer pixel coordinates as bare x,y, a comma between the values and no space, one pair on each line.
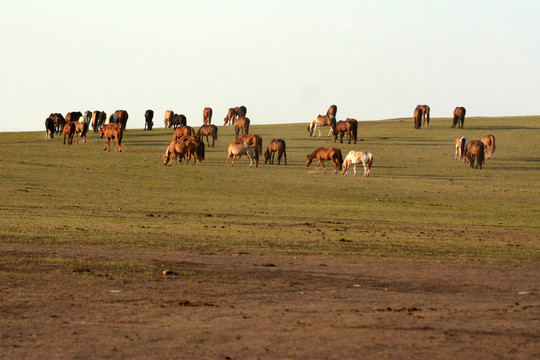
418,204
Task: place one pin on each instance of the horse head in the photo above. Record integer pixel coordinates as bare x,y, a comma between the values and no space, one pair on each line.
308,160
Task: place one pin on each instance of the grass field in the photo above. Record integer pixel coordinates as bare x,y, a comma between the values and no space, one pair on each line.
419,203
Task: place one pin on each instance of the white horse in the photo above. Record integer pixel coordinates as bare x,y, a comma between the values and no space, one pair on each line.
239,150
111,119
320,121
461,144
356,157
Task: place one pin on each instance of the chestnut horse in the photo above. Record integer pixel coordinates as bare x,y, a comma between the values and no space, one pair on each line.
417,119
241,111
356,157
207,116
489,145
276,145
69,131
475,151
111,132
322,153
82,128
346,127
251,139
459,117
425,114
322,120
179,149
230,118
59,122
199,145
235,150
332,111
461,144
183,130
208,130
242,123
49,127
354,124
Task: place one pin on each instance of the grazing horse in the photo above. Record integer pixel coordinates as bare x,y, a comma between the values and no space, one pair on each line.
489,145
235,150
356,157
242,123
183,130
148,117
461,144
69,131
207,116
322,153
208,130
168,116
230,118
179,149
417,119
111,132
276,145
320,121
425,114
332,111
122,116
177,120
475,151
82,128
49,127
251,139
459,117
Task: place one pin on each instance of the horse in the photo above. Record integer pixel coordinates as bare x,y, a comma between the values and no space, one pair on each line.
489,145
183,130
179,149
112,131
177,120
207,116
332,111
242,123
82,128
148,117
461,144
475,151
322,120
59,122
417,118
251,139
98,120
356,157
73,116
111,118
459,117
354,125
230,118
49,127
87,116
276,145
425,114
208,130
122,116
235,150
168,116
241,111
344,127
322,153
69,131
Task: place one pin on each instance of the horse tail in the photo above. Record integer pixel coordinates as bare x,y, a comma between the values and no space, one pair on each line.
247,126
215,132
493,147
201,151
355,131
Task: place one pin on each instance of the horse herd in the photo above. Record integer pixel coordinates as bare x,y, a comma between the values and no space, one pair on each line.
188,144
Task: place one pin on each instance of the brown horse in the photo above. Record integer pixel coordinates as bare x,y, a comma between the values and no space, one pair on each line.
345,127
199,145
425,114
242,123
82,128
208,130
183,130
235,150
489,145
207,116
69,131
354,124
251,139
417,119
179,149
148,117
241,111
475,151
122,117
49,127
59,122
230,118
459,117
322,153
276,145
111,132
320,121
332,111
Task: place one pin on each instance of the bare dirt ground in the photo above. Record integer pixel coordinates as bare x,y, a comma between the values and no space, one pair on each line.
88,303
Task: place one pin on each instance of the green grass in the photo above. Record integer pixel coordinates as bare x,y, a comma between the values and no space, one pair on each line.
419,203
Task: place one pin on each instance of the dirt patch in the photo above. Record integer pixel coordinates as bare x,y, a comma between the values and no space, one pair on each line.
76,302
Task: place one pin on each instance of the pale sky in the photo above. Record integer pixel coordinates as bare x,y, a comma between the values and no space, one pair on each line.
286,61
